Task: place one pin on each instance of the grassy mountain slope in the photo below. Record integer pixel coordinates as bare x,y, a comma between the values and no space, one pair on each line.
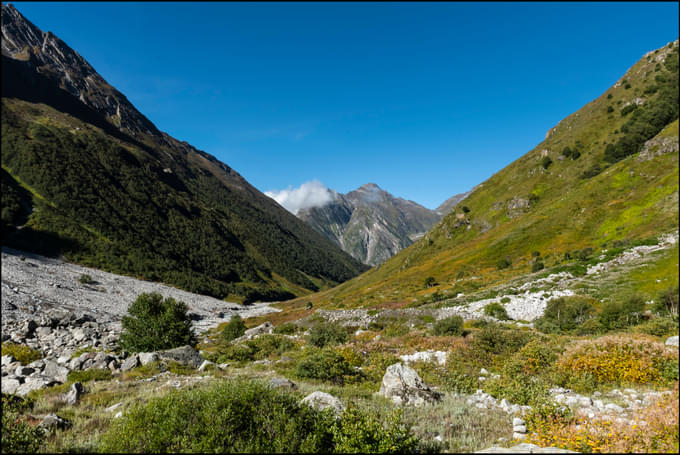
604,176
103,187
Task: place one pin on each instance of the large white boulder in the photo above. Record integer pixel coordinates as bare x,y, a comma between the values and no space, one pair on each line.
404,386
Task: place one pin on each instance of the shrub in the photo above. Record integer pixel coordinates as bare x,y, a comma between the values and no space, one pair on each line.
533,358
429,282
594,170
566,152
617,359
18,436
496,310
564,314
265,345
546,162
618,315
234,328
520,389
503,263
155,324
22,353
85,279
287,328
538,265
609,96
575,155
95,374
466,209
360,432
505,300
495,339
453,325
327,333
659,326
667,303
326,365
231,416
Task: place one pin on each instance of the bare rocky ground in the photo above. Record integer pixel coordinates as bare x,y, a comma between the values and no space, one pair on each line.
32,284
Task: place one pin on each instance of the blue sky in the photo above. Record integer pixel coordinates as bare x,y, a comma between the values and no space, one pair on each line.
426,100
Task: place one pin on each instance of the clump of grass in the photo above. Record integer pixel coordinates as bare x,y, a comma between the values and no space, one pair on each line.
21,353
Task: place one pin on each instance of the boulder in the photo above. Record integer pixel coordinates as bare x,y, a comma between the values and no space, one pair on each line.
130,363
255,332
74,393
7,359
282,383
147,357
54,421
184,354
525,448
205,364
10,385
56,371
34,383
404,386
322,400
672,341
23,371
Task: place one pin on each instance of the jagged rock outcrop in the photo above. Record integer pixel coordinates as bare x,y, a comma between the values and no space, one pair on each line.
369,223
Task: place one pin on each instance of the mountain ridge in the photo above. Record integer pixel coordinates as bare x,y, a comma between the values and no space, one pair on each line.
369,223
110,190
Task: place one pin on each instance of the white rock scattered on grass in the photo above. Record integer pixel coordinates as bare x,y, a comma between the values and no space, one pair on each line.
425,356
323,400
673,341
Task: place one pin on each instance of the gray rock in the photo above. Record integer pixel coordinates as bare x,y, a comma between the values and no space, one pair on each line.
10,385
76,364
517,421
23,371
147,357
74,393
519,429
130,363
404,386
56,371
184,354
613,408
205,364
516,435
322,400
113,407
7,359
34,383
37,364
282,383
262,329
54,421
672,341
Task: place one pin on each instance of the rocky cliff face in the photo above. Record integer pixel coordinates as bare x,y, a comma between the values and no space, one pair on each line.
369,223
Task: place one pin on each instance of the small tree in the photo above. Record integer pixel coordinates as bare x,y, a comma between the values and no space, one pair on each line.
234,328
155,323
429,281
496,310
327,333
546,162
667,303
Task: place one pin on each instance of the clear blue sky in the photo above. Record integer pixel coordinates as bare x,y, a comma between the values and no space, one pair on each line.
426,100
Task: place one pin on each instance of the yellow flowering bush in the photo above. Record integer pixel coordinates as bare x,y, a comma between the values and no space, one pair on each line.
619,359
654,429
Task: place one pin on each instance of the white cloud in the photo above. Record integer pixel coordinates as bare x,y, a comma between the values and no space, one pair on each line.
309,194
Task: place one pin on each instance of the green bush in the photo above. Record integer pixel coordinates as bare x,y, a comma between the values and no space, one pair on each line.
230,416
453,325
495,339
503,263
287,328
265,345
18,436
326,365
546,162
618,315
361,432
538,265
85,279
238,353
20,352
659,326
496,310
505,300
520,389
564,314
667,303
95,374
429,282
155,324
234,328
327,333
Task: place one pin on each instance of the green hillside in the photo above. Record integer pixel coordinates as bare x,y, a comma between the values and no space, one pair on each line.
122,206
593,183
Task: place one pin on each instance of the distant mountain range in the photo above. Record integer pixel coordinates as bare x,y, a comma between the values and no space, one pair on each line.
87,176
369,223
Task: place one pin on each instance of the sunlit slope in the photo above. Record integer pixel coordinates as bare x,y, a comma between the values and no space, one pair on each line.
607,173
